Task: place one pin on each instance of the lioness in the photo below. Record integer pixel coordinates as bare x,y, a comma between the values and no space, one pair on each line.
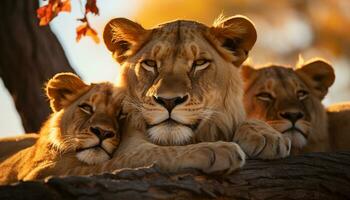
290,101
82,131
184,85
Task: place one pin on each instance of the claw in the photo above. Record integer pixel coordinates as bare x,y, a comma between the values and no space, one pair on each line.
278,149
289,146
262,149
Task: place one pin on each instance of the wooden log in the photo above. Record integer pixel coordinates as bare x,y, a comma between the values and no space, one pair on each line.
310,176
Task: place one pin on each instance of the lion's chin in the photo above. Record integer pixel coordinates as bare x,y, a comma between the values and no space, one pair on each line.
297,139
170,134
93,156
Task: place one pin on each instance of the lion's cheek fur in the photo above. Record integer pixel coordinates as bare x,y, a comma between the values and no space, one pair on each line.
230,110
318,139
154,116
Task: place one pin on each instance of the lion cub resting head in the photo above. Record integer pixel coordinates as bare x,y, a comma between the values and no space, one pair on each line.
84,119
83,130
290,101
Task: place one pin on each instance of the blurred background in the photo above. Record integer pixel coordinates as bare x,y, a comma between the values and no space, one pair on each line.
286,28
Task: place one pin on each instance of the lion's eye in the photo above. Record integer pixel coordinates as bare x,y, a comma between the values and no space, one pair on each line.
149,65
302,94
200,64
264,96
122,116
86,108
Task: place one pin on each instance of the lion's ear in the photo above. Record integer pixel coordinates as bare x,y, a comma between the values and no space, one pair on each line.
236,34
318,75
63,89
123,36
248,73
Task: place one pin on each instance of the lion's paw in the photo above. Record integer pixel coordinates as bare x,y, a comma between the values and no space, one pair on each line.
260,140
217,157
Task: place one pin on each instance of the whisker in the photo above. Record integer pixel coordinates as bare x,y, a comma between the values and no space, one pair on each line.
209,114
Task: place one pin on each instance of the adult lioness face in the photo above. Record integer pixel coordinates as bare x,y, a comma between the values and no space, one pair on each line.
290,100
182,76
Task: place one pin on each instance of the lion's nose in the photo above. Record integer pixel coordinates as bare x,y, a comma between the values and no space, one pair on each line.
292,116
170,103
101,133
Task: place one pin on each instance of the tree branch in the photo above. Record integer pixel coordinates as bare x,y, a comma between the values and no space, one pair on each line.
311,176
29,56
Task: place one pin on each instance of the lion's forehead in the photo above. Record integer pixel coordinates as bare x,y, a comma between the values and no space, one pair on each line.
280,80
106,97
177,43
177,35
179,28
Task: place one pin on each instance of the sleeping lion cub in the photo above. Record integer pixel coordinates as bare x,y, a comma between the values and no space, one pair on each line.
290,101
82,131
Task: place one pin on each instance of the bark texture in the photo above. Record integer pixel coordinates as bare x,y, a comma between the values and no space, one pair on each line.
29,56
311,176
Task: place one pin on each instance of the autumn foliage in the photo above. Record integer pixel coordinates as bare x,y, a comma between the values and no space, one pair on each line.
49,11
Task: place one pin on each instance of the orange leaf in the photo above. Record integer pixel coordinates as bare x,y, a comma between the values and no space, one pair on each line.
54,7
51,10
81,30
45,14
86,30
65,6
93,34
90,6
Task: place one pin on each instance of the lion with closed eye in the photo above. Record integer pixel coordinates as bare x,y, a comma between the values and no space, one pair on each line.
184,87
83,131
82,135
184,97
289,99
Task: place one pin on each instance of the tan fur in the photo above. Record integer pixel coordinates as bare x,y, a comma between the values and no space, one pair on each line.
339,126
276,94
135,150
12,145
55,151
70,137
158,70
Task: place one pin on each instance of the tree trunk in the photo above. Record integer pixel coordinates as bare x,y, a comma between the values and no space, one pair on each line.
311,176
29,56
